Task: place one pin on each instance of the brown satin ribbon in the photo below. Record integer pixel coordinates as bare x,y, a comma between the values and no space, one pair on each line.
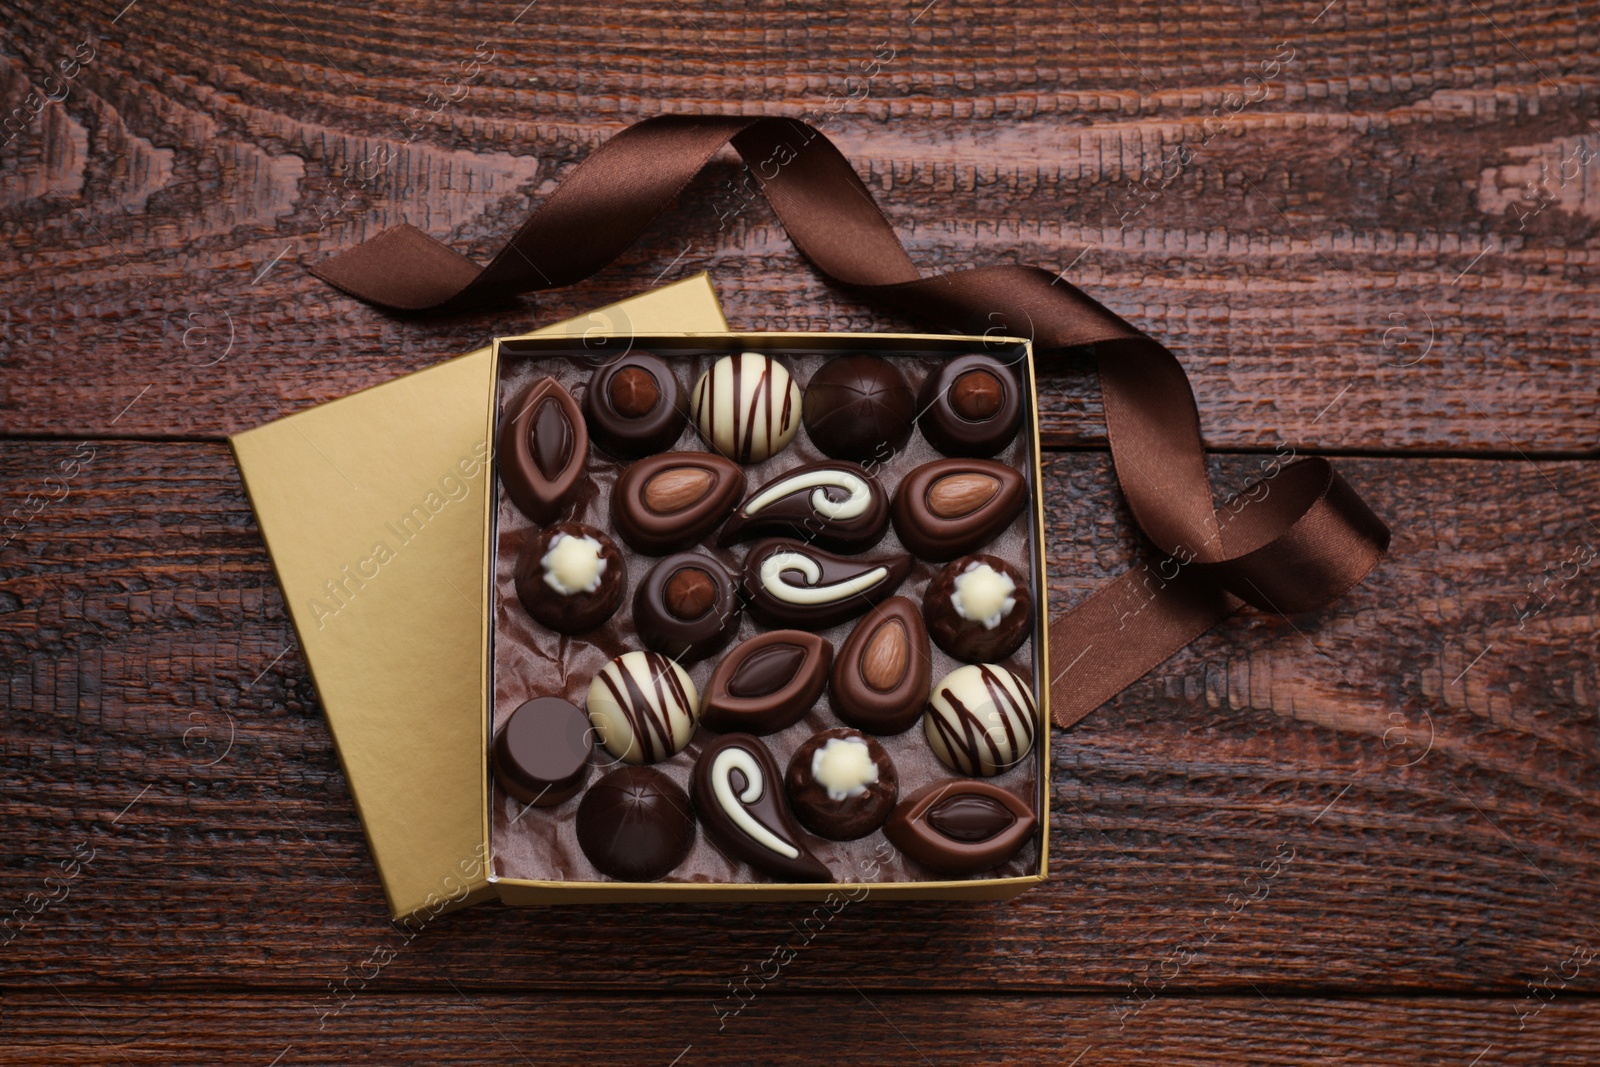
1291,542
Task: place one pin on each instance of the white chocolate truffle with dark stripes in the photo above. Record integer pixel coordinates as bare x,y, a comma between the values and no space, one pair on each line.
746,406
980,719
644,707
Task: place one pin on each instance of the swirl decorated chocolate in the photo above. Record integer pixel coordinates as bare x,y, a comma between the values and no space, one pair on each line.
738,794
835,505
788,583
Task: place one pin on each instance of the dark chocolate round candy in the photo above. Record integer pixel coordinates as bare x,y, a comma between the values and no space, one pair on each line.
635,824
542,451
767,682
858,407
687,607
541,754
841,784
978,609
570,577
667,503
634,406
972,406
961,826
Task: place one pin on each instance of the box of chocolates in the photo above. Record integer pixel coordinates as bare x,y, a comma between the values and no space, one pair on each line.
766,618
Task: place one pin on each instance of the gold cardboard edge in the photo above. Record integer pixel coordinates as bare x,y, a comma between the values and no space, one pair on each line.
518,892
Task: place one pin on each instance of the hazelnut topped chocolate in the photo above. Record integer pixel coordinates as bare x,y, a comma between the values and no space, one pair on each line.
687,607
971,407
634,406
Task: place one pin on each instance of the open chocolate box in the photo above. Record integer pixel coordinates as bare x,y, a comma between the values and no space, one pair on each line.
713,652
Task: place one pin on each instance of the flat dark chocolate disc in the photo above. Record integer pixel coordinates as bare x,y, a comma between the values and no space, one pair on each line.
541,754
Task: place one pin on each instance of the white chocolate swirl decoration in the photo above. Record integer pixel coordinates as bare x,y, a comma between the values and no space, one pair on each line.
858,494
815,591
747,407
980,720
643,706
734,804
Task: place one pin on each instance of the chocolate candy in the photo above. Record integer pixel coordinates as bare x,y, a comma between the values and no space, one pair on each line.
669,502
860,408
979,609
644,707
971,407
960,826
738,793
542,450
746,407
792,584
880,677
841,784
687,607
635,824
570,577
835,505
767,683
541,754
980,719
634,406
949,507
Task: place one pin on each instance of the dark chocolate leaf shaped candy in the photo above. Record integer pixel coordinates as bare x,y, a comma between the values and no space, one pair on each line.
543,450
883,670
767,683
738,794
789,583
668,502
960,826
836,505
950,507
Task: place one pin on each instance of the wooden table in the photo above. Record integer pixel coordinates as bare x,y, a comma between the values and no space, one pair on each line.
1371,836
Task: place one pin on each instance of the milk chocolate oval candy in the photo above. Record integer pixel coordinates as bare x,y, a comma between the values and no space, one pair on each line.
980,719
738,794
668,502
767,683
687,607
836,505
543,448
634,406
880,677
972,406
960,826
949,507
792,584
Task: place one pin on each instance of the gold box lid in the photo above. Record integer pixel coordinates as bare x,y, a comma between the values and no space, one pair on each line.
373,510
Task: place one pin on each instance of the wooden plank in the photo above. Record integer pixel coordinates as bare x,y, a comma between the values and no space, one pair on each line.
1401,792
97,1027
1352,260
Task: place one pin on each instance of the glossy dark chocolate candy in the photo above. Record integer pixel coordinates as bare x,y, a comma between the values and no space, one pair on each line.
541,754
767,683
746,406
835,505
669,502
950,507
571,577
978,609
738,794
972,406
980,719
860,408
788,583
841,784
687,607
542,451
881,675
635,824
961,826
634,406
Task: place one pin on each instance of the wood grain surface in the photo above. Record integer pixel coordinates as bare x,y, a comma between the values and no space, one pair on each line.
1371,835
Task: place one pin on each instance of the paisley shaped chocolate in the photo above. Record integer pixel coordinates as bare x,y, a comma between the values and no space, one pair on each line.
979,609
789,583
949,507
738,794
767,683
980,719
881,675
836,505
746,406
960,826
687,607
668,502
971,407
635,406
571,577
643,706
542,450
